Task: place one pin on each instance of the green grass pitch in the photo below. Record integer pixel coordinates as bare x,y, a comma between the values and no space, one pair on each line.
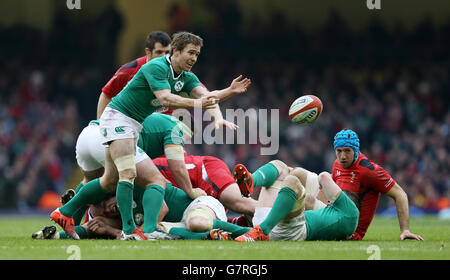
381,242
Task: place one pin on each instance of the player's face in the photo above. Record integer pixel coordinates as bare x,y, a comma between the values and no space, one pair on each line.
345,156
158,51
110,208
188,57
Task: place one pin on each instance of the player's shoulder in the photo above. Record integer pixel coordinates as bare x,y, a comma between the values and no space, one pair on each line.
158,64
364,164
159,61
132,66
191,75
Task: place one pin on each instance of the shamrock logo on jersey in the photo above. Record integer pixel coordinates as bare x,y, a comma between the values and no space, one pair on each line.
178,85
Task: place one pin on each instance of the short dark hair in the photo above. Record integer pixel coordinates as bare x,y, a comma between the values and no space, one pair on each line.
181,39
157,37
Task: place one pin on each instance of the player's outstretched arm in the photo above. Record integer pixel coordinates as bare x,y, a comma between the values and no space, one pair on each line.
167,99
238,86
401,203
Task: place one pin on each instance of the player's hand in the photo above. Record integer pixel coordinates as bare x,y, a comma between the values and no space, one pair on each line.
97,226
409,235
225,123
207,102
198,192
240,85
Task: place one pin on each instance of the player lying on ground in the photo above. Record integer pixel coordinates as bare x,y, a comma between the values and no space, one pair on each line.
281,208
281,214
213,176
103,219
206,174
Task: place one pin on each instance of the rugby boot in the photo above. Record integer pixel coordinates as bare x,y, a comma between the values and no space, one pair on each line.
217,234
66,223
244,179
255,234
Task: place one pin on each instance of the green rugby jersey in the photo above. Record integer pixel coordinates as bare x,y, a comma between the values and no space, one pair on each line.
137,100
159,130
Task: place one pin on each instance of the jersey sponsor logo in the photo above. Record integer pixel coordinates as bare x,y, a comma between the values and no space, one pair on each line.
119,129
178,85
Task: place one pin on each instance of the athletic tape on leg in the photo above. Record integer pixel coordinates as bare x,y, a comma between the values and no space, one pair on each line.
175,152
125,162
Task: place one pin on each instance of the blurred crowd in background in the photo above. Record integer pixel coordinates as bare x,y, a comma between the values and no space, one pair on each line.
390,85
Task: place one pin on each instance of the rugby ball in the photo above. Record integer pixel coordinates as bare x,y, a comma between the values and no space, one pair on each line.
305,109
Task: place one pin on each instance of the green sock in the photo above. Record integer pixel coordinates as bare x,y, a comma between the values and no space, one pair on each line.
234,229
265,176
186,234
79,214
91,193
282,206
80,230
124,197
152,202
78,188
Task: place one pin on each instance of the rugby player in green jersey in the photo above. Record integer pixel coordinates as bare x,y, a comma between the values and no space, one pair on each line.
281,215
158,83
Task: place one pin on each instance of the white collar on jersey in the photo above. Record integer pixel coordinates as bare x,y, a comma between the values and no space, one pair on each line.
171,68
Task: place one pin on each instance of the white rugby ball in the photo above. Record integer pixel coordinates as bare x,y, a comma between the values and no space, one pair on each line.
305,109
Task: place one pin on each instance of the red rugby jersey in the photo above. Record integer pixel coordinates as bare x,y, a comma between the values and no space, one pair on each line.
120,79
368,180
206,172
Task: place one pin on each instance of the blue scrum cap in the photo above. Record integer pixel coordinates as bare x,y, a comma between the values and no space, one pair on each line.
347,138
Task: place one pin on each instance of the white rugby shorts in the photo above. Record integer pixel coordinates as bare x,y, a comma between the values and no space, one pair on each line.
210,202
114,125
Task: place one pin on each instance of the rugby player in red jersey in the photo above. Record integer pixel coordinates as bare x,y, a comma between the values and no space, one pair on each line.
213,176
157,44
353,171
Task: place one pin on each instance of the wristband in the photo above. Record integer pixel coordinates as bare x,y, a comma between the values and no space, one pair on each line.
191,196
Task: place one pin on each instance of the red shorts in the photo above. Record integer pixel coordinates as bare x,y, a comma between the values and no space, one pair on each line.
215,176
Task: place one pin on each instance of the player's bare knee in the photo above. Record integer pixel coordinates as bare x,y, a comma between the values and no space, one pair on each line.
324,177
157,179
300,173
282,167
108,183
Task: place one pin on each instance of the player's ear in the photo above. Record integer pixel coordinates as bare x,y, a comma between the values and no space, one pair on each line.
147,51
